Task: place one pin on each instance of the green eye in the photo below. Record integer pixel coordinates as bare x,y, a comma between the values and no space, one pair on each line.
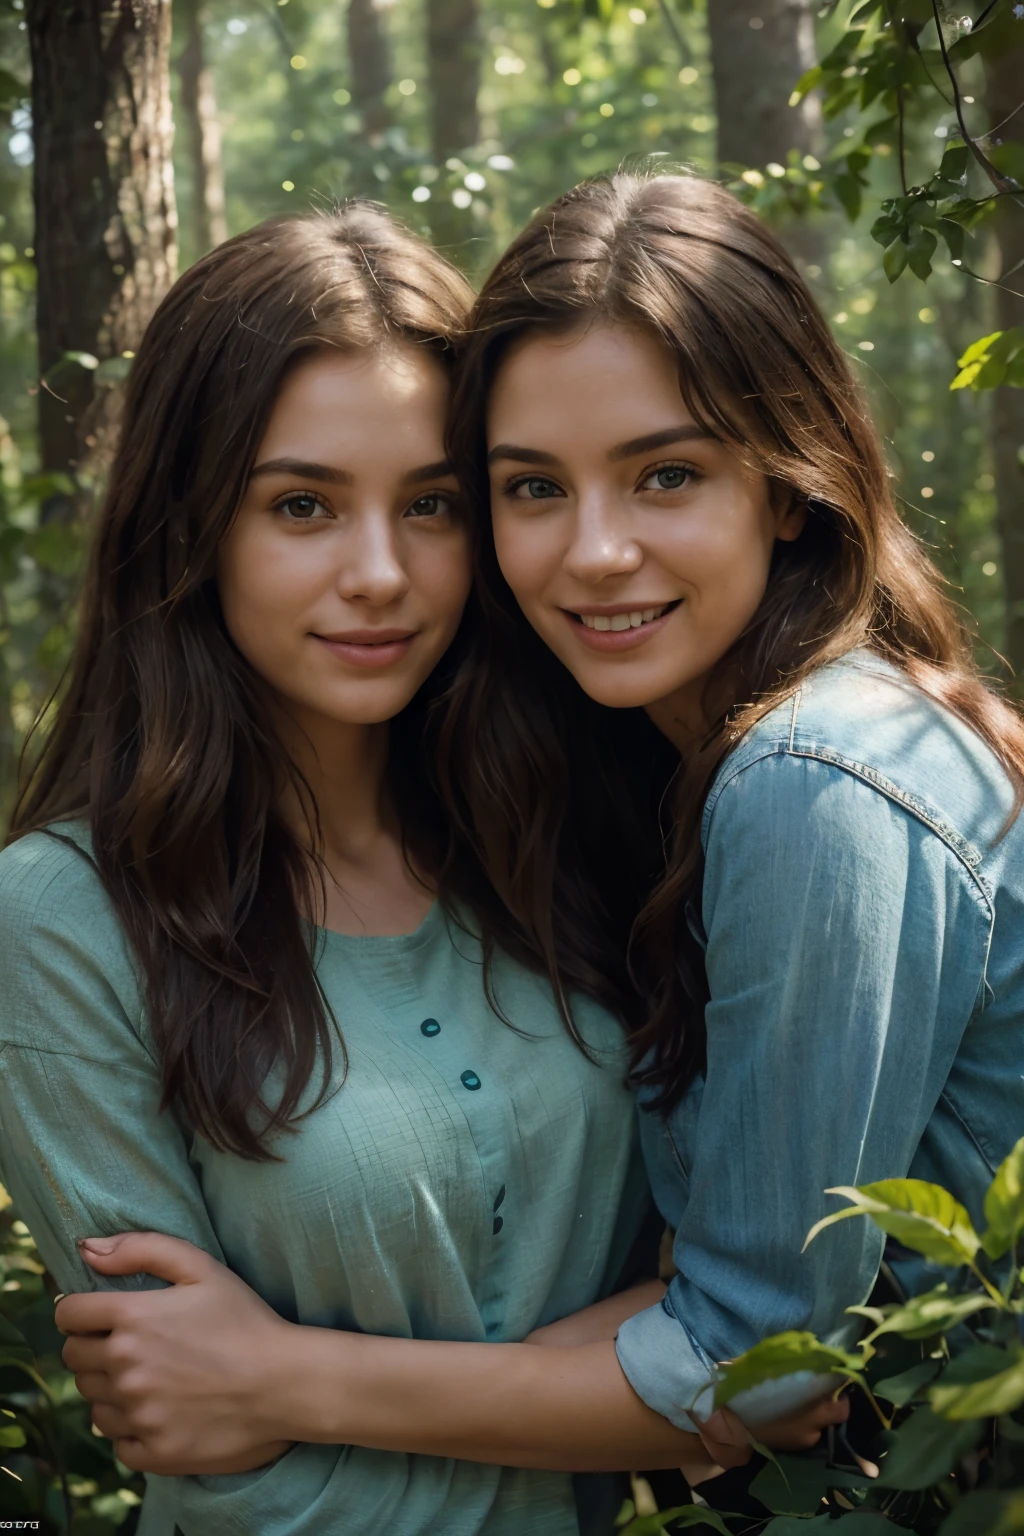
672,478
536,488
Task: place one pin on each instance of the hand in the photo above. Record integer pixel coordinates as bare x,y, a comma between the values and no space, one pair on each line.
177,1378
727,1440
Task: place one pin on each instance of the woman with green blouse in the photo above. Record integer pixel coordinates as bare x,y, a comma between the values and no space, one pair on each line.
242,979
255,992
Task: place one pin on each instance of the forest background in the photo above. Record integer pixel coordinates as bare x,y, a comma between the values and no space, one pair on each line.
883,138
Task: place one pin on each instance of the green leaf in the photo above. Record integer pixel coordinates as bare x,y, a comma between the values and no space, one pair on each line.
688,1515
796,1485
922,1216
953,234
978,350
848,190
13,1345
808,80
894,259
1008,157
925,1449
1004,1205
921,251
986,1513
899,1390
783,1355
984,1397
953,165
935,1312
794,1525
12,1437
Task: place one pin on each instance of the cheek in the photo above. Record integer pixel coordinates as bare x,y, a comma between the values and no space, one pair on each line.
265,586
725,552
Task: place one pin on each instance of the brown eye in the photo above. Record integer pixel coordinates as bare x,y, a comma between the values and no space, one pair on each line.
301,507
429,506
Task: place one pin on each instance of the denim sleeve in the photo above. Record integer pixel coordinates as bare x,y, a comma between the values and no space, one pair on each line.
846,951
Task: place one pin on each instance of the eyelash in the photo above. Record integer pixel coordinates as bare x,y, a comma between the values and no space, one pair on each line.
445,503
690,470
281,505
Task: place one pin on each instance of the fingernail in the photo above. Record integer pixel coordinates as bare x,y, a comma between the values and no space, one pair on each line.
98,1244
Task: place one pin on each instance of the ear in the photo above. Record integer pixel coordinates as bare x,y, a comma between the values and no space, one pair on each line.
789,510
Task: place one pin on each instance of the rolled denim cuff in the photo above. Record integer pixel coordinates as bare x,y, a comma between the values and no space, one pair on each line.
668,1369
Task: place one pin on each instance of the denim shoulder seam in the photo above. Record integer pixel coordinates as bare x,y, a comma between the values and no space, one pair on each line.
963,851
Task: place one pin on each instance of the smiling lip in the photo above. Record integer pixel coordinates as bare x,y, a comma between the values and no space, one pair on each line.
369,647
618,639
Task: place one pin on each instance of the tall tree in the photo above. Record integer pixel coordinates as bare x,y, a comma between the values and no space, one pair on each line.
1004,81
202,131
370,65
105,241
454,57
759,49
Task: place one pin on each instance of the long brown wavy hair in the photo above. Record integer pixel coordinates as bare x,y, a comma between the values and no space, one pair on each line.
162,740
760,370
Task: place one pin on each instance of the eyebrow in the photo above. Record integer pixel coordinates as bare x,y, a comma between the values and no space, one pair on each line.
681,434
305,469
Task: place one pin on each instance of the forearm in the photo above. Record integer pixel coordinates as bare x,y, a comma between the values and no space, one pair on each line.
506,1404
600,1321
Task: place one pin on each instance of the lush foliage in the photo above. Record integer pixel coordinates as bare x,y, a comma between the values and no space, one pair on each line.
943,1370
52,1465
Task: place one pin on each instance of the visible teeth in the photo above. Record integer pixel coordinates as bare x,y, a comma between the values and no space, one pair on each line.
620,621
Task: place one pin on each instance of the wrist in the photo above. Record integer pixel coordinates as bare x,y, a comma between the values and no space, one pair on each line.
311,1380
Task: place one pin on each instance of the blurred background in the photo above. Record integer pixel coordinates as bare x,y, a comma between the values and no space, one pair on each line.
884,140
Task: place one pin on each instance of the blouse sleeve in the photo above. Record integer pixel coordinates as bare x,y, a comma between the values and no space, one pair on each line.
846,947
85,1149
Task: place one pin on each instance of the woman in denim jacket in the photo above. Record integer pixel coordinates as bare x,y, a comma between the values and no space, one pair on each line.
691,511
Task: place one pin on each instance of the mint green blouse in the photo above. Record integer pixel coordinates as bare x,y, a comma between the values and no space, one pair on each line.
464,1182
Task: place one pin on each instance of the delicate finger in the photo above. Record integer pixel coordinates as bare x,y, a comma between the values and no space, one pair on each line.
86,1352
135,1456
111,1422
97,1387
92,1311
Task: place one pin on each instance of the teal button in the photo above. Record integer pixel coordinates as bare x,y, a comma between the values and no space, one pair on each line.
430,1027
470,1080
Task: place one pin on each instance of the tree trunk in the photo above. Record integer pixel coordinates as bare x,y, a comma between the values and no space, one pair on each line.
202,128
104,199
370,65
1004,79
759,50
454,57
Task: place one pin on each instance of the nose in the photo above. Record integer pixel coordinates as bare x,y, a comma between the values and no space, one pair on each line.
373,570
603,544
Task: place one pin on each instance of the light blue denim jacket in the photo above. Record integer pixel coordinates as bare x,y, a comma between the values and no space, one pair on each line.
865,955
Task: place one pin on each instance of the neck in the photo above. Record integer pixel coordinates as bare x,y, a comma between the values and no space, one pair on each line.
680,717
687,715
344,767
